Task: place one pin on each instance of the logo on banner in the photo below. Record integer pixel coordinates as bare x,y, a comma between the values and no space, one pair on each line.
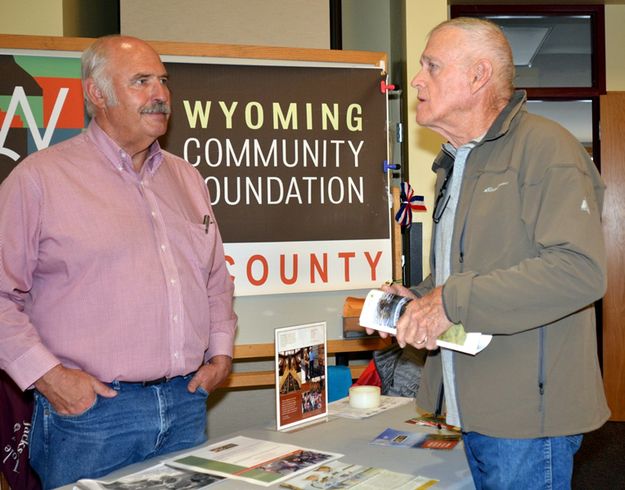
19,99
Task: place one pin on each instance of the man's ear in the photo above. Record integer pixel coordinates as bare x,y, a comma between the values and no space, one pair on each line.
481,73
95,95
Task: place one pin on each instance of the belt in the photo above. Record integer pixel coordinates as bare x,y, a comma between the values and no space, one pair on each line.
156,382
145,384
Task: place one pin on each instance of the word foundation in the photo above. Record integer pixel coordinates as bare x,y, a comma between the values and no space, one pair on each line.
275,190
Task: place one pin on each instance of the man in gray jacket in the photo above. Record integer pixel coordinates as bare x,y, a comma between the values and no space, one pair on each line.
517,253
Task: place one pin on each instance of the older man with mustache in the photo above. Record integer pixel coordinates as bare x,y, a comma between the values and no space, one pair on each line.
115,300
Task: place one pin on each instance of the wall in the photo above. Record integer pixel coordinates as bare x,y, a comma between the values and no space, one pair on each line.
615,40
42,17
292,23
366,25
423,144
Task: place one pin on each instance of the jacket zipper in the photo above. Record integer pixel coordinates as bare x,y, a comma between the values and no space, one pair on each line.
541,376
461,257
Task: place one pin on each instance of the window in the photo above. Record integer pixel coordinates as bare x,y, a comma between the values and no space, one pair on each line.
559,57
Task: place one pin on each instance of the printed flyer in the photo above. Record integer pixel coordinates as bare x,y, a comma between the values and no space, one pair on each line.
301,374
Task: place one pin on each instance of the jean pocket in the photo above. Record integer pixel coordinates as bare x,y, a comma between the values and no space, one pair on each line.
74,416
201,391
575,442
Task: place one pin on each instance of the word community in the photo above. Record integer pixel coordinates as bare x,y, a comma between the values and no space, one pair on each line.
252,153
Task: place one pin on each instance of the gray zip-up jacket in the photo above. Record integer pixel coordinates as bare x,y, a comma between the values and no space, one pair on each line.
528,262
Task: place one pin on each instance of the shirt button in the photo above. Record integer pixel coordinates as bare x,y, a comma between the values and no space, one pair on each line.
172,281
163,247
153,214
175,318
176,355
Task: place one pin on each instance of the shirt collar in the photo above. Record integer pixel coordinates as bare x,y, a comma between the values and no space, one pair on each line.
117,155
452,150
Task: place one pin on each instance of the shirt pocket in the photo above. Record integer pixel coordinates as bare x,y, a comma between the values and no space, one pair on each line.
202,239
194,247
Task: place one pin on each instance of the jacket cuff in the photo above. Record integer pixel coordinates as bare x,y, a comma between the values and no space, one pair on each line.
456,295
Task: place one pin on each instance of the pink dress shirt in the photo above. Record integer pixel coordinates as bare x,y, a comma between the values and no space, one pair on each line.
109,270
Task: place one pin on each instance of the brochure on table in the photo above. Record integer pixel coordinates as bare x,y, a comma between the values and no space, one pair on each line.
253,460
382,310
301,374
400,438
344,476
159,476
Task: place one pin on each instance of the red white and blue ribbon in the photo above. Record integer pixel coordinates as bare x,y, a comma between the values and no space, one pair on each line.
408,202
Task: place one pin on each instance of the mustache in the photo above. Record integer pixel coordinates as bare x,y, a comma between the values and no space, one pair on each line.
156,108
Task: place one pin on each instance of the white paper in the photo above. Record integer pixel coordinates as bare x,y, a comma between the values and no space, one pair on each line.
158,476
339,475
252,460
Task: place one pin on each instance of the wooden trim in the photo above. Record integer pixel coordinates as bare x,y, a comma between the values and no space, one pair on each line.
265,351
260,379
357,345
397,238
613,173
53,43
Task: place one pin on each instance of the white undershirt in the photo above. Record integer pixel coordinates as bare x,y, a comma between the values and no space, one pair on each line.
442,255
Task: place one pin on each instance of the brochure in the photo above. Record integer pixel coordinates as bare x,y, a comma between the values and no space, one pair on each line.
381,311
252,460
342,408
339,475
155,477
399,438
300,356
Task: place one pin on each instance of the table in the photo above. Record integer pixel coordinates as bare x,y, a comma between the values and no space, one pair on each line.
351,438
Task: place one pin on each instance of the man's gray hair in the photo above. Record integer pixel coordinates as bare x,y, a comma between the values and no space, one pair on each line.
490,42
93,64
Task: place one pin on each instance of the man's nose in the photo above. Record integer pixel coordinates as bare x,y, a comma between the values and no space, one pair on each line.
160,91
417,80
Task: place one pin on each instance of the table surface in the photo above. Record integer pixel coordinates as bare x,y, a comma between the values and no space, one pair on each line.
351,437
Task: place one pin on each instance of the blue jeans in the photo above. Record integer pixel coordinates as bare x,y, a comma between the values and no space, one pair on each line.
139,423
527,464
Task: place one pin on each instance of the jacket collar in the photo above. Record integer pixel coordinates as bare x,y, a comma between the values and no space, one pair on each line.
505,117
500,126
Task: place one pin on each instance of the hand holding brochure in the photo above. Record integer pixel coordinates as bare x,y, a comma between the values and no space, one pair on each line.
381,311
